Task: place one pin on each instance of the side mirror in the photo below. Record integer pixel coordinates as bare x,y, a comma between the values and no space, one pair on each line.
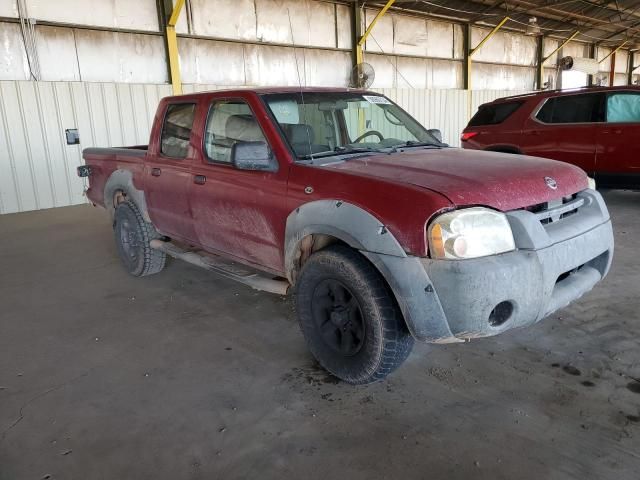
434,132
252,156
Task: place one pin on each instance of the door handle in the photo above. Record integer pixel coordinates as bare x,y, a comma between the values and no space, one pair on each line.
156,172
199,179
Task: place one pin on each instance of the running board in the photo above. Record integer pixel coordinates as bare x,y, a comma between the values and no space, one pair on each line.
224,267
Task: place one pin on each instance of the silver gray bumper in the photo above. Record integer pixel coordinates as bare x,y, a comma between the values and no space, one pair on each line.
452,300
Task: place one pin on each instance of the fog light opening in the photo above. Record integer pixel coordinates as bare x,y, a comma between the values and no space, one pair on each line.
501,313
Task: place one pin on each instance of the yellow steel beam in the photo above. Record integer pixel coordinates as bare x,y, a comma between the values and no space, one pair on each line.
375,20
473,51
172,48
574,35
361,40
491,34
615,50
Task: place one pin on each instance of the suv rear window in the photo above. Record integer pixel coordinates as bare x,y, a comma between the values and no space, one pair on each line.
493,114
572,109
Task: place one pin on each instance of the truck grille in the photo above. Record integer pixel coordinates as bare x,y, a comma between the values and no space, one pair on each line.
556,210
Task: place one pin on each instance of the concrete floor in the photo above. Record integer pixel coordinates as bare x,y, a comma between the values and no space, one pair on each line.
185,375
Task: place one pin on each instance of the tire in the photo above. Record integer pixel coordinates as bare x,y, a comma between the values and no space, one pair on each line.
132,236
349,317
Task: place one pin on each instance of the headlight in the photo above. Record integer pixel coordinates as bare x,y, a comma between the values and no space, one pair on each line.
470,233
592,183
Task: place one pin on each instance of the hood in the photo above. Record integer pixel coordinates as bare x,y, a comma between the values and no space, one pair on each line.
469,177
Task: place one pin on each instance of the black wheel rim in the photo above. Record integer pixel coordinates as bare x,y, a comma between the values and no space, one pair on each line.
338,317
129,241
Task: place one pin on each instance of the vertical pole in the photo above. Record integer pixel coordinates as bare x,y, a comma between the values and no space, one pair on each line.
467,56
630,68
540,63
357,32
592,54
612,73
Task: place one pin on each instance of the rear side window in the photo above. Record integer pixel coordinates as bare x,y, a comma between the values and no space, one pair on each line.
176,130
623,107
571,109
494,114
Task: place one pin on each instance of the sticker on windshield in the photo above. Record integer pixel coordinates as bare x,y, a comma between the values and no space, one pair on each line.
376,99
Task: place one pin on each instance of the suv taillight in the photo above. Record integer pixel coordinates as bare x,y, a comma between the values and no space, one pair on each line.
467,135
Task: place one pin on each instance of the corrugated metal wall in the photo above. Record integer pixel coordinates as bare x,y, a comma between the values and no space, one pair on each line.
37,167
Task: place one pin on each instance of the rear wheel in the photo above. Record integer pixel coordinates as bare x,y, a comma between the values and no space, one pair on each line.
132,235
349,317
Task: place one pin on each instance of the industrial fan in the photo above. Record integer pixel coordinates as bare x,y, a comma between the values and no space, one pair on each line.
362,75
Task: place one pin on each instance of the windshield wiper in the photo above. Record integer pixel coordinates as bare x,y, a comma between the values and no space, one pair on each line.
413,143
340,151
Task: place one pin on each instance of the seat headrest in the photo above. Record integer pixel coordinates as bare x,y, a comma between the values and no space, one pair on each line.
299,133
243,128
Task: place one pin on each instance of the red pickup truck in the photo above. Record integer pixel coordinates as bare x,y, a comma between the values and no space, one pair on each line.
384,233
595,128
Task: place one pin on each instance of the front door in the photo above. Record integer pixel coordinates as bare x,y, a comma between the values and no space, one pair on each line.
240,213
168,173
618,157
565,129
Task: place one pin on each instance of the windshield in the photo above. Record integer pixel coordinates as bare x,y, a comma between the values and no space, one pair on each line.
334,123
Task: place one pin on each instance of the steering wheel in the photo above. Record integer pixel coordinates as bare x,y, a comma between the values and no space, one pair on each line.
369,133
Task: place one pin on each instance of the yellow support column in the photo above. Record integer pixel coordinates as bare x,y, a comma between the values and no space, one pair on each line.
172,48
471,53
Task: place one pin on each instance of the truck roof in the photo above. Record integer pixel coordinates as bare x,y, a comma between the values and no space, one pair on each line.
264,90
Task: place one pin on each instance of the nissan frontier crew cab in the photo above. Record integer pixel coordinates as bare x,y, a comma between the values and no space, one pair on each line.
385,234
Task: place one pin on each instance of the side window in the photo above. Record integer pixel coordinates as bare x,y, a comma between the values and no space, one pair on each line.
228,122
571,109
176,130
623,107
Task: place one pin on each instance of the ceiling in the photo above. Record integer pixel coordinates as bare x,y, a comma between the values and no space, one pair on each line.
603,22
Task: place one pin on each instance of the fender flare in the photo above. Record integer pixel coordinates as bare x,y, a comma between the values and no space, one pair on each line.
123,180
405,275
345,221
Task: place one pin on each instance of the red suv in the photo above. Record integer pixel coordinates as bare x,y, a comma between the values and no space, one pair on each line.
597,129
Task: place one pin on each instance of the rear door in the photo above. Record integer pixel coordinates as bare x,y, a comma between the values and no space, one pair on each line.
239,213
565,128
168,172
618,157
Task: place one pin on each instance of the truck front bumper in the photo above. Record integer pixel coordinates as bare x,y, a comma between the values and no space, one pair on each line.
554,264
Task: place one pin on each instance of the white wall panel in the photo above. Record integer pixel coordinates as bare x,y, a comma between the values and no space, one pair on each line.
410,36
137,14
312,23
9,8
504,47
486,76
239,18
440,40
316,72
38,167
13,56
273,66
208,61
344,25
57,53
120,57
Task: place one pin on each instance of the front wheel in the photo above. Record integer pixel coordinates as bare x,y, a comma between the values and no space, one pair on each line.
349,318
133,234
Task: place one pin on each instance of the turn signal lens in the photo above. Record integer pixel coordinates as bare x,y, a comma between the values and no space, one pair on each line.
470,233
